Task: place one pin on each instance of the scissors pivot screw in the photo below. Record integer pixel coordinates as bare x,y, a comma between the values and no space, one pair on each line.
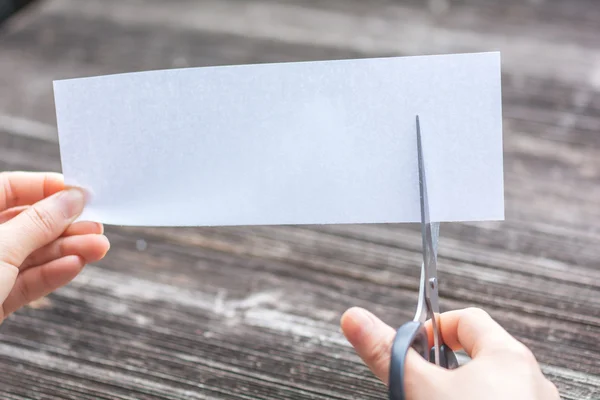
433,283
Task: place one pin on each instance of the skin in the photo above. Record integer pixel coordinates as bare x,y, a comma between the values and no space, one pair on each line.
41,247
501,367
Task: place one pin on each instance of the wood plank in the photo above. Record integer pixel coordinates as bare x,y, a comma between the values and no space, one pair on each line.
252,312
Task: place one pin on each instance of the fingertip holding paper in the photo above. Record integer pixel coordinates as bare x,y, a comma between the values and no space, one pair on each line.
323,142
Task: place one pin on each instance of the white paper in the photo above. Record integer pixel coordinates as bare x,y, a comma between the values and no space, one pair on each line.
292,143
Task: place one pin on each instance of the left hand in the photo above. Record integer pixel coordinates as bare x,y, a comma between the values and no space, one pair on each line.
41,249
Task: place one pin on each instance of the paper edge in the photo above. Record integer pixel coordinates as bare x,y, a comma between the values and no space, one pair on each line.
342,60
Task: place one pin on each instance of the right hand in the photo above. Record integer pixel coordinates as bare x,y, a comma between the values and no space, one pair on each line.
501,367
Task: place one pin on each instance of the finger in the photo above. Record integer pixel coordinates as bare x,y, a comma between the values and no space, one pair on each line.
447,326
89,247
371,338
551,391
78,228
39,225
37,282
8,277
9,214
25,188
84,228
473,330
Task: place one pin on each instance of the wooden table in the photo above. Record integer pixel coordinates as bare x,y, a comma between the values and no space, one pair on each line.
244,313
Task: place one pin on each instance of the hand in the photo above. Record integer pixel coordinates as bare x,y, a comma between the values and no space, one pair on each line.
501,367
41,249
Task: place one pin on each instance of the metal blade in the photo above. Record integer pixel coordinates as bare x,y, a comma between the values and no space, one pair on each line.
430,235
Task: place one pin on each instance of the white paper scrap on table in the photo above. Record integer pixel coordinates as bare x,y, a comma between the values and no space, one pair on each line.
291,143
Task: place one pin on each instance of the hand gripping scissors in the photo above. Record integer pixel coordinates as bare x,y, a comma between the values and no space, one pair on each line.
413,334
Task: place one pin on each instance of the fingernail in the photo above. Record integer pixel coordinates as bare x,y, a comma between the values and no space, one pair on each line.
71,202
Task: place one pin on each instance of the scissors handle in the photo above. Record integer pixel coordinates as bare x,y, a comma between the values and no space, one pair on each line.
411,334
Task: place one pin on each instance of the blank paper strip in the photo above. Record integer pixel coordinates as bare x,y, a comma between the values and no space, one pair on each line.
291,143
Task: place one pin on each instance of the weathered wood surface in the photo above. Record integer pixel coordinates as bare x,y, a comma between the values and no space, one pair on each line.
244,313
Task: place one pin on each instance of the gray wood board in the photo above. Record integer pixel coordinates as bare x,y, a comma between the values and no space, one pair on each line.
253,312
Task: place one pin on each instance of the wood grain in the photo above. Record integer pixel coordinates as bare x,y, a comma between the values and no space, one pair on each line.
252,312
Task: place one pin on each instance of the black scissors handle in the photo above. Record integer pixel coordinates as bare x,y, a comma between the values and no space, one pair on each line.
413,335
410,335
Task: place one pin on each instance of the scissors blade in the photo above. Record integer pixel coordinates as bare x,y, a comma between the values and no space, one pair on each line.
430,235
429,231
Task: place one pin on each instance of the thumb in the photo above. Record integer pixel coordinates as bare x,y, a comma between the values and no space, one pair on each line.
39,225
372,339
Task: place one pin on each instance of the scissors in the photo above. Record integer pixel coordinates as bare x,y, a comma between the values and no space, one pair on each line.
413,334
